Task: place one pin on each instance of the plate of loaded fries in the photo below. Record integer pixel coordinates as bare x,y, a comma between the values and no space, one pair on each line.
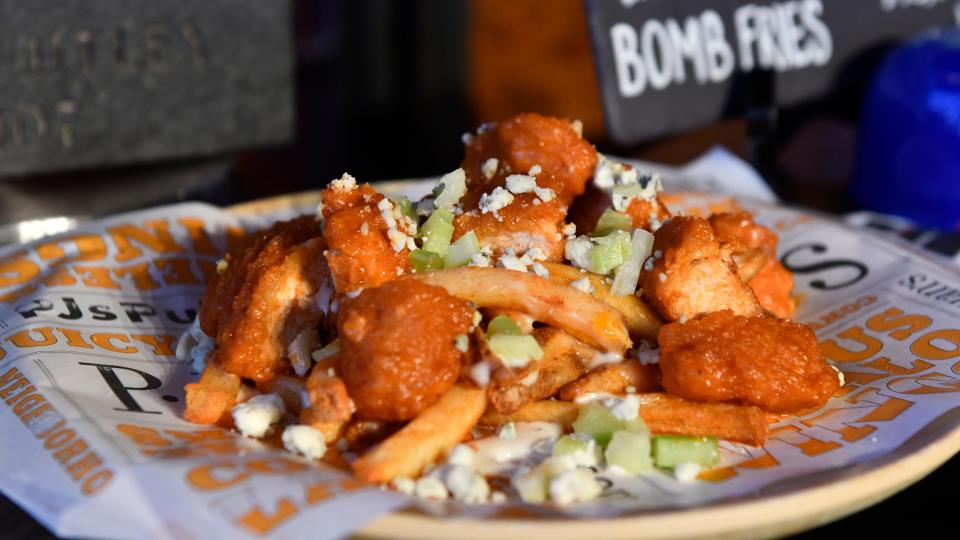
545,342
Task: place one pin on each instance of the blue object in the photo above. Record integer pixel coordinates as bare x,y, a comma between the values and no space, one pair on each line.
908,159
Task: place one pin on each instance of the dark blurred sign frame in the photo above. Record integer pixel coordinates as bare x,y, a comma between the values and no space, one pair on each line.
670,65
91,83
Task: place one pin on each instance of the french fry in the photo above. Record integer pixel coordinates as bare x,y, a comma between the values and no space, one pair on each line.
641,320
614,379
209,400
564,360
296,398
426,438
665,414
329,406
548,410
577,312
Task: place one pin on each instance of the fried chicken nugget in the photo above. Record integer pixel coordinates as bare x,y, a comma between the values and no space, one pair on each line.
692,276
398,350
256,255
519,145
772,285
648,214
522,225
722,357
368,239
264,299
770,281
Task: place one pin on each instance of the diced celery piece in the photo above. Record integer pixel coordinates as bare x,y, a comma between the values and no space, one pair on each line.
610,252
424,261
569,444
554,466
582,448
669,451
532,486
630,451
513,350
610,221
501,324
437,232
405,206
454,186
461,251
628,190
598,422
628,274
637,425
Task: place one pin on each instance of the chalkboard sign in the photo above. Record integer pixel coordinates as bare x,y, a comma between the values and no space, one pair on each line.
669,65
99,82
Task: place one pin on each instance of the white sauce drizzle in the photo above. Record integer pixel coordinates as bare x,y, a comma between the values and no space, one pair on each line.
500,455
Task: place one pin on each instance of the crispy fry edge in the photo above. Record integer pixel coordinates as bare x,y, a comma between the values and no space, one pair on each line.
575,311
664,415
427,437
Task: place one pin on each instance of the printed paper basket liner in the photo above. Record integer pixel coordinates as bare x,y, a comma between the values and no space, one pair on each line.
94,445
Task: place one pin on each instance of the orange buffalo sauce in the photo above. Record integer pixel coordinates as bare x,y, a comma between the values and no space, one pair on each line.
397,347
773,364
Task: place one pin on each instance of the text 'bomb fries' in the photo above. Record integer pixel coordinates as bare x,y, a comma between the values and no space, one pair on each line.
433,344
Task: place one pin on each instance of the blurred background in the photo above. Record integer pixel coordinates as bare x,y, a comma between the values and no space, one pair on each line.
299,92
112,105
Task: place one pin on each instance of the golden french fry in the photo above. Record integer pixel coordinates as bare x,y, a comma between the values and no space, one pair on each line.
575,311
564,360
640,319
426,438
209,400
325,404
562,412
665,414
324,415
614,379
327,397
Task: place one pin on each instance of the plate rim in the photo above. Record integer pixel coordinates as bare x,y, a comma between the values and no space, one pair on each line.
766,516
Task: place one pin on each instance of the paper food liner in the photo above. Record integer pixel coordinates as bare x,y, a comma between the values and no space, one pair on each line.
93,442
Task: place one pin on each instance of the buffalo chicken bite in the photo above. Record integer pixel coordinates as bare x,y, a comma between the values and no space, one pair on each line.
398,349
689,275
770,281
521,225
368,239
647,214
566,160
773,364
522,174
263,299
